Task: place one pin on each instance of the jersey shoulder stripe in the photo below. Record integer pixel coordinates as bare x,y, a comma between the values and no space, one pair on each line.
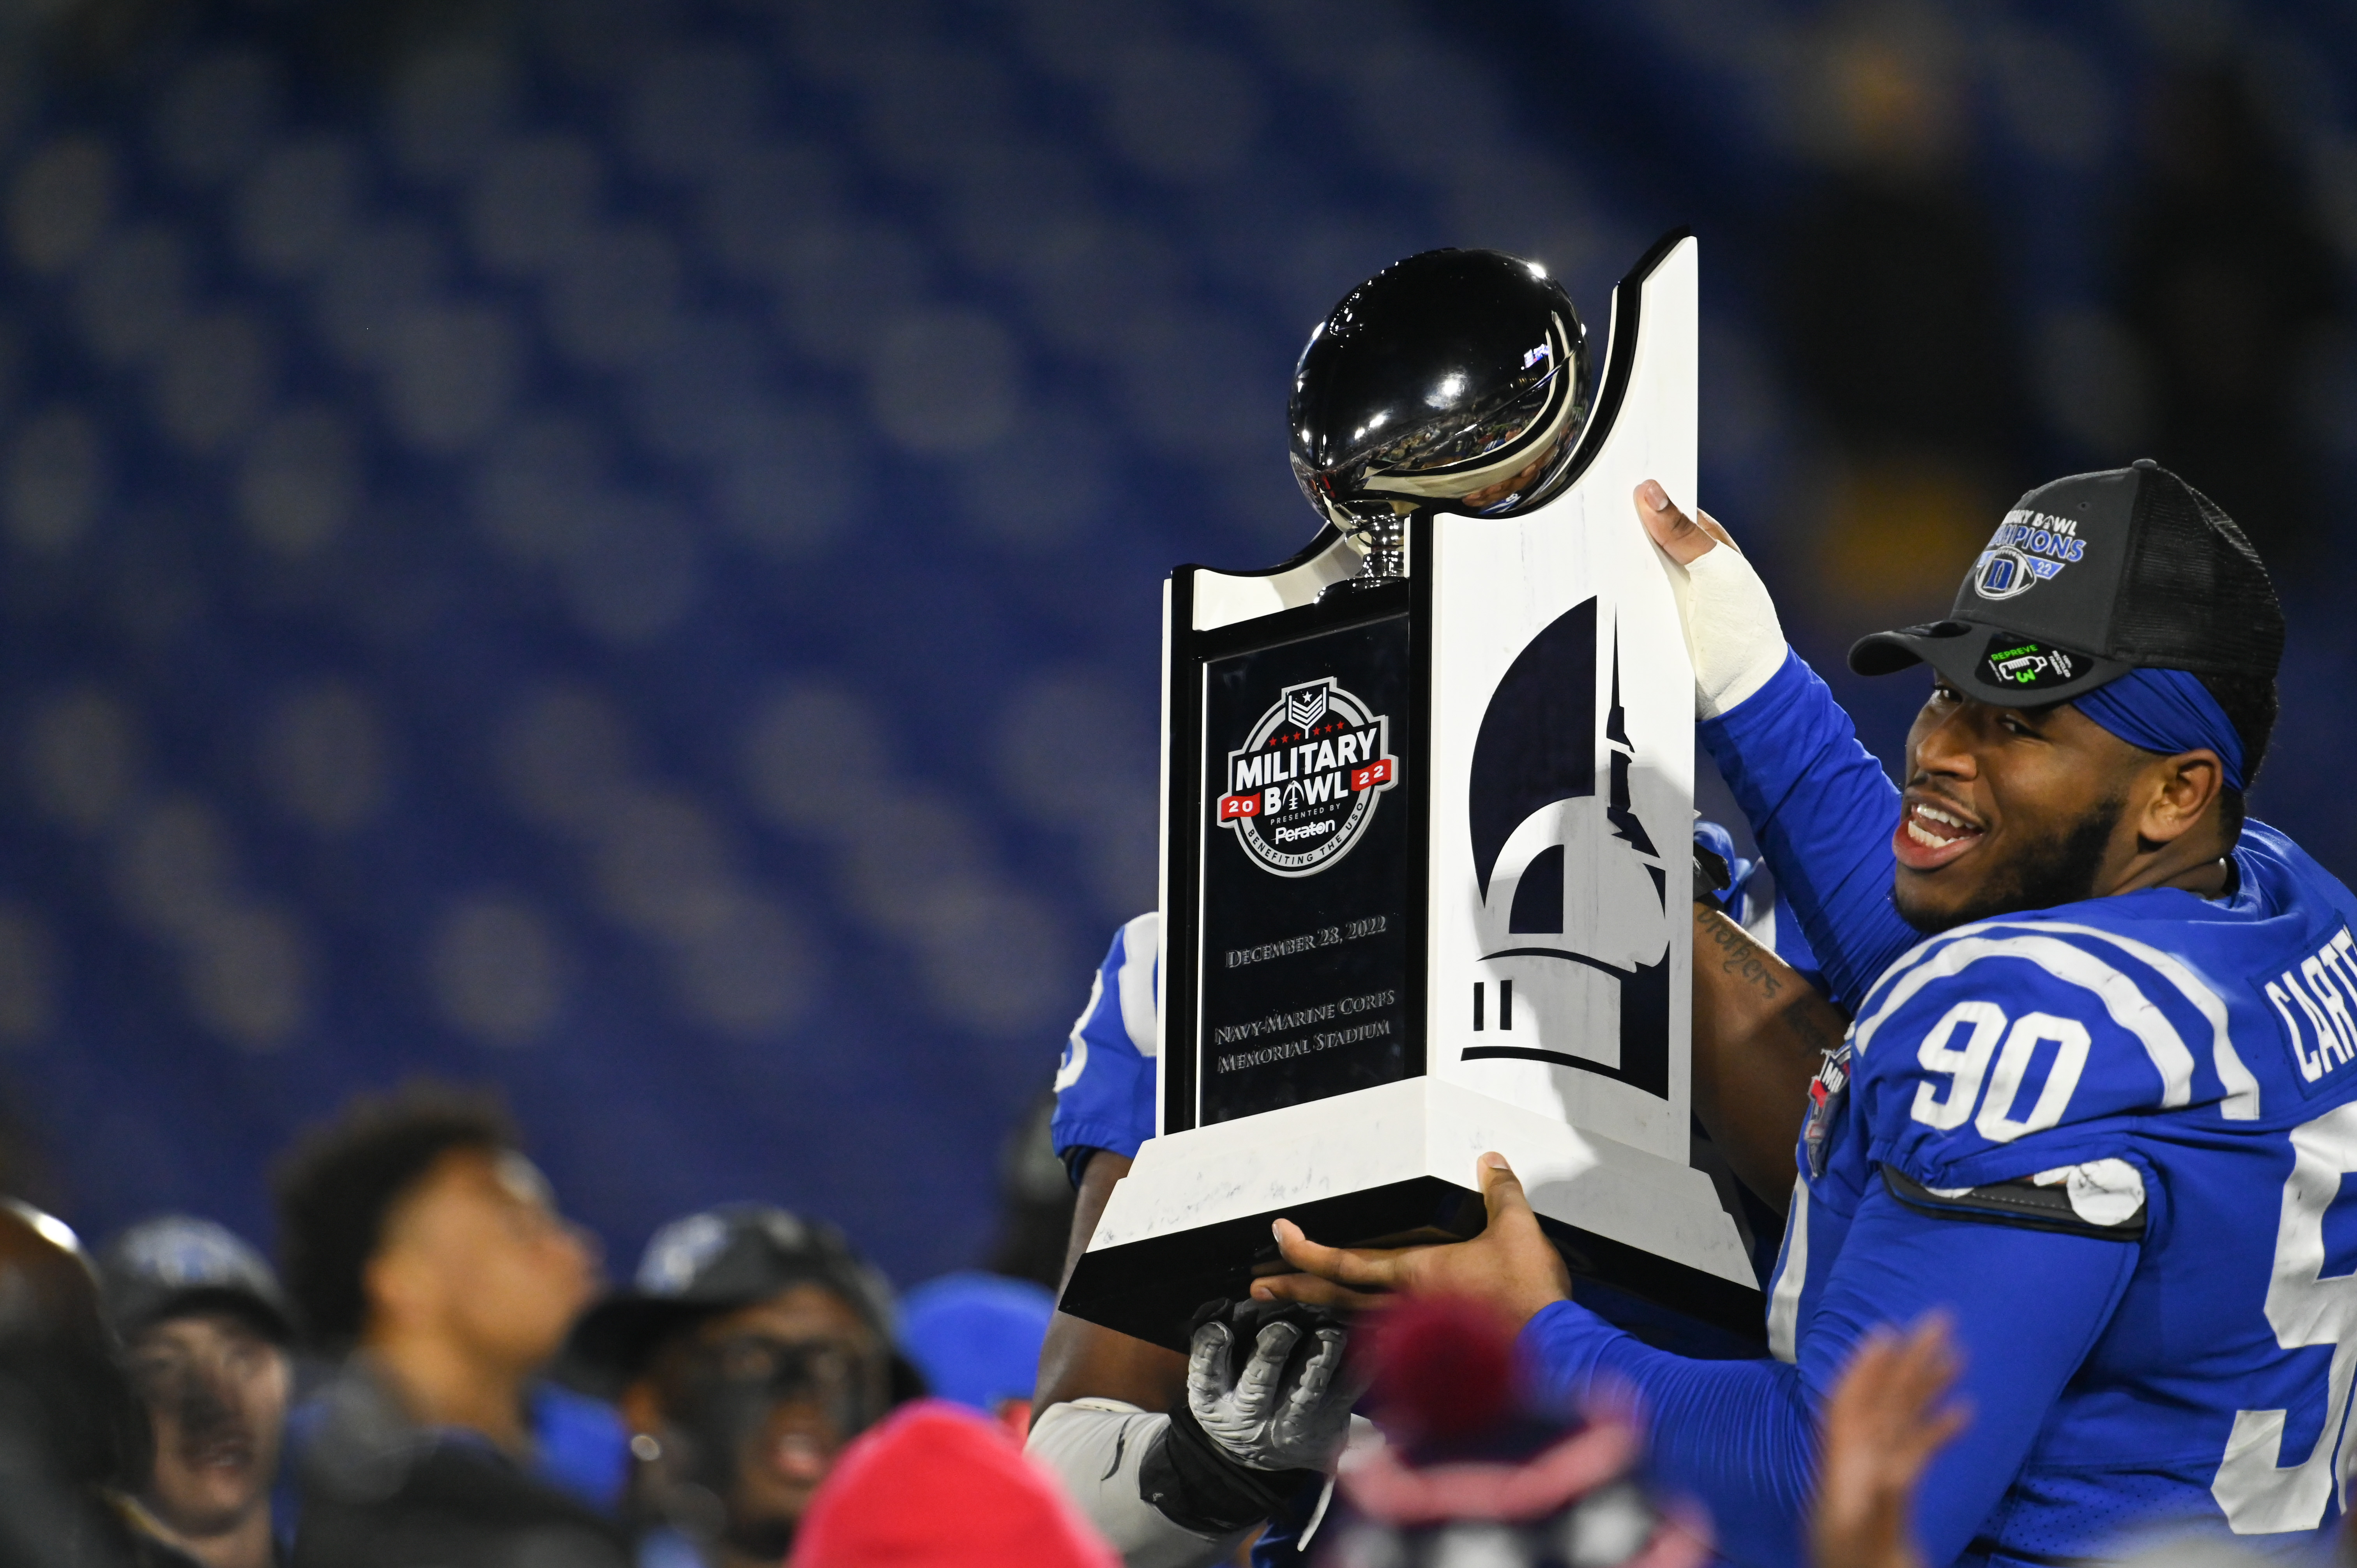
2241,1086
2123,999
1076,1044
1139,979
2242,1101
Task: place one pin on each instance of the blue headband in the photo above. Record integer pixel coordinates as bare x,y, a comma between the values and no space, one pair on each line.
2166,711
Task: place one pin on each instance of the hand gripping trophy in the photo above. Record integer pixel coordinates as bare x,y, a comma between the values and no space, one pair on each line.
1426,797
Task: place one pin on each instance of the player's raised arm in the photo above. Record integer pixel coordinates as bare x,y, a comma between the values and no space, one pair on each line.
1817,801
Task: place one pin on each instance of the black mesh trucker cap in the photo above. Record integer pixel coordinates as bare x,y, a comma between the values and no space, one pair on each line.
176,1263
712,1261
2089,577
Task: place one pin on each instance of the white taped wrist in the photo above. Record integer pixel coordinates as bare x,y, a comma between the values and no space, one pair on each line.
1093,1448
1732,632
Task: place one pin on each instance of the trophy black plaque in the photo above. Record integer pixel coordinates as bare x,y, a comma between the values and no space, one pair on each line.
1426,887
1306,996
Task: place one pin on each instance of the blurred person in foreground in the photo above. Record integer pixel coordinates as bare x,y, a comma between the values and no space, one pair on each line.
1476,1467
73,1438
976,1337
205,1332
1879,1428
421,1246
752,1346
938,1485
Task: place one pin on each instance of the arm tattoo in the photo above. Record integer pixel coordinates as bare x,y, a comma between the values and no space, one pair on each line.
1737,954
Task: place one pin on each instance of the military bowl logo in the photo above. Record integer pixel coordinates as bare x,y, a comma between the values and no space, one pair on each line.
1302,788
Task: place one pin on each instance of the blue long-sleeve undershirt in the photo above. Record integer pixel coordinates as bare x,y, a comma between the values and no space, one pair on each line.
1822,811
1741,1436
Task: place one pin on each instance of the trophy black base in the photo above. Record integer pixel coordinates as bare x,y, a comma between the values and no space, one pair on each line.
1394,1167
1150,1290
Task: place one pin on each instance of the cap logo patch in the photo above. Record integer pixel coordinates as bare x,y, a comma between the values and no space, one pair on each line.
2029,666
181,1253
2028,548
680,1252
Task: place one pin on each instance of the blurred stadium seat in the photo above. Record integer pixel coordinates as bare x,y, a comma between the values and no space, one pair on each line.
613,547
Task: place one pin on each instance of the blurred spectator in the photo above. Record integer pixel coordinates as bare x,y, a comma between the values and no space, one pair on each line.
205,1334
976,1340
2227,285
1894,315
416,1236
72,1436
1470,1470
937,1486
1035,1201
1881,1429
751,1348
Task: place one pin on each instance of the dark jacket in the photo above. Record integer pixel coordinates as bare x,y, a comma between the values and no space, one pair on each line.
379,1491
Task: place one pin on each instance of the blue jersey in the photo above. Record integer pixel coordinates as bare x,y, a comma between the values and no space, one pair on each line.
2177,1070
2108,1137
1104,1085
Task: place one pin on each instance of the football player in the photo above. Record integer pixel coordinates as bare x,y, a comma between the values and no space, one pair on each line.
2100,1095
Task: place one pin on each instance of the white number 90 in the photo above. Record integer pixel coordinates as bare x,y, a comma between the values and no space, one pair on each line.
1964,1066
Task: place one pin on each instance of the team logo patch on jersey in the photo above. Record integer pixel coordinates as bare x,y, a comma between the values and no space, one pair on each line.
2031,666
1827,1091
1303,787
2028,548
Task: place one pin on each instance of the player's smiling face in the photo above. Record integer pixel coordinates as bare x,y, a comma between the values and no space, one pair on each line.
2006,810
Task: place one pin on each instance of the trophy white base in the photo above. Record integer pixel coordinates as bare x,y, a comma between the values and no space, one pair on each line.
1190,1220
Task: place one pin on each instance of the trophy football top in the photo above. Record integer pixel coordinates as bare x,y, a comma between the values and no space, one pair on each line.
1453,380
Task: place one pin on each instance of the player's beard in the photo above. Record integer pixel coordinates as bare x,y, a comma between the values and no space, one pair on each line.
2060,869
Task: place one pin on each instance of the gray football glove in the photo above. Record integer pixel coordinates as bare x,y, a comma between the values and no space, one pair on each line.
1282,1411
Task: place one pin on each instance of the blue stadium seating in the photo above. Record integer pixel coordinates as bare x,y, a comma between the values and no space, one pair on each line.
611,546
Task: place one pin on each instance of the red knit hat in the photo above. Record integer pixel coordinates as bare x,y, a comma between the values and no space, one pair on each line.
937,1484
